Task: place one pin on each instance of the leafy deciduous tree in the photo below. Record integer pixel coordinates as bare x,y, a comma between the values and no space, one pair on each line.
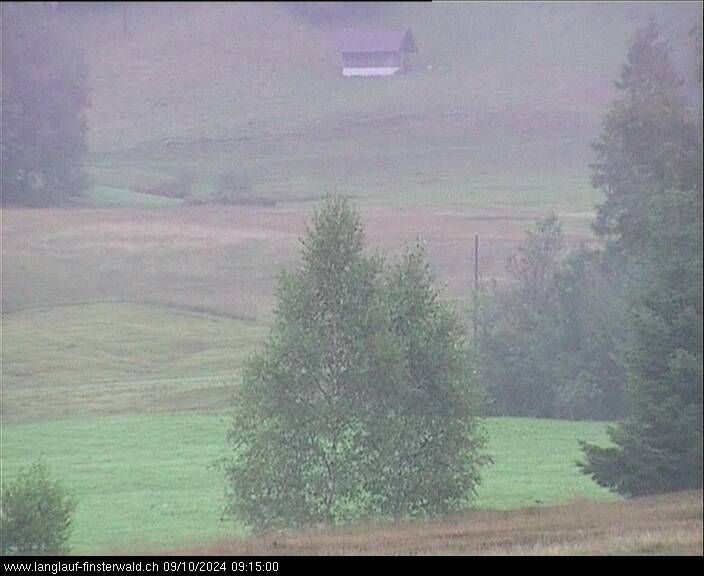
361,402
36,514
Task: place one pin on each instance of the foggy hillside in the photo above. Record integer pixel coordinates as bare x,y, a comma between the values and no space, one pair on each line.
261,294
260,85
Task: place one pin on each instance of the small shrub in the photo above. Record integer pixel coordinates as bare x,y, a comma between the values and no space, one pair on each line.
175,188
232,188
36,514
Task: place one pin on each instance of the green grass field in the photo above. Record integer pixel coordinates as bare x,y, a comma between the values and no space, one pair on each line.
123,335
150,481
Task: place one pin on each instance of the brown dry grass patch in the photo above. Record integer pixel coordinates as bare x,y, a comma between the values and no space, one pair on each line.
223,259
670,524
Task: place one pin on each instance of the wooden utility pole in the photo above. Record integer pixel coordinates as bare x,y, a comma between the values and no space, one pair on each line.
125,29
476,291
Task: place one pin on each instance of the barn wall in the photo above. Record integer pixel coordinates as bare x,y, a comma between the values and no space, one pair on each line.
370,71
371,59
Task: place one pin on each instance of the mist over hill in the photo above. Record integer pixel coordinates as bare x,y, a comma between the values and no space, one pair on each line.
202,87
139,298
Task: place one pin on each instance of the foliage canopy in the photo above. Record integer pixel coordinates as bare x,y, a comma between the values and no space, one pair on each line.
36,514
650,167
361,402
550,339
44,97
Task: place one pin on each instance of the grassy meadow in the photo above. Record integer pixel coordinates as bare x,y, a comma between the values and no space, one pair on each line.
500,99
124,332
146,481
127,318
129,310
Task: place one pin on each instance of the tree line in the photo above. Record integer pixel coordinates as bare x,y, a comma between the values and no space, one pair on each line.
616,332
44,99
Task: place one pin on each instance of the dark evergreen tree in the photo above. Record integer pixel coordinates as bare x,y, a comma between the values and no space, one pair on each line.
648,145
650,169
44,96
550,339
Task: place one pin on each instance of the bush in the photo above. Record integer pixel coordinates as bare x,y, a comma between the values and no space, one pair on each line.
361,403
36,514
233,188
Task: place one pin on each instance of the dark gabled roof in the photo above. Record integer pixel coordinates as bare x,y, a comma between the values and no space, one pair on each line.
375,40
